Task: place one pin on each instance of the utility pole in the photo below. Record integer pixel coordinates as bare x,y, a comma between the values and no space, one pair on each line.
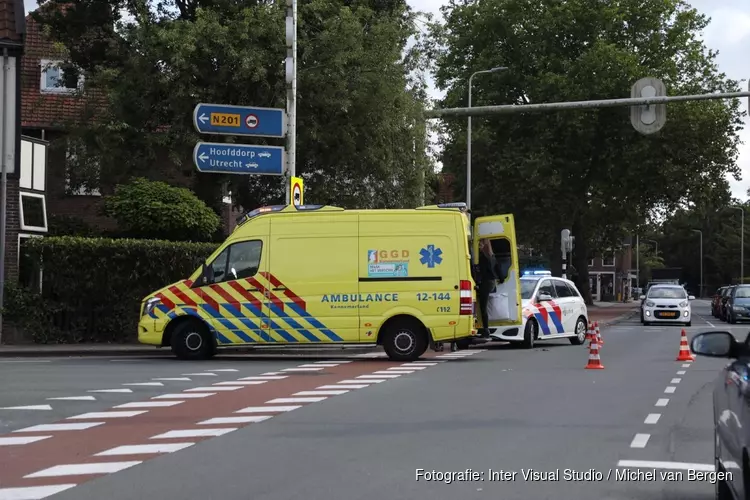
291,93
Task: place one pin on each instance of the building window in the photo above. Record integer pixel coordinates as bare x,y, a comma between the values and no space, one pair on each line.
591,263
608,259
76,160
29,272
33,212
58,77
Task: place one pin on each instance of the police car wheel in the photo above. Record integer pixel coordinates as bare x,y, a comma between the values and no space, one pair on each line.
529,334
191,340
580,337
405,340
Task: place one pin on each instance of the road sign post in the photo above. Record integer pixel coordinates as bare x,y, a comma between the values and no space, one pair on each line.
291,90
221,158
297,190
221,119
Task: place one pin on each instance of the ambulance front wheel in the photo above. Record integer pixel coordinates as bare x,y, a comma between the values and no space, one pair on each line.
191,340
404,339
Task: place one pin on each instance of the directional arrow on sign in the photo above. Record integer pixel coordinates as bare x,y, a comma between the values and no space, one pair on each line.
203,157
203,118
223,158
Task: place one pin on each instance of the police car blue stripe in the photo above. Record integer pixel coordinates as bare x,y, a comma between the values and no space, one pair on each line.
542,323
557,322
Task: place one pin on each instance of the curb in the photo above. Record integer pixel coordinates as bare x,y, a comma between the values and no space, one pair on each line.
619,318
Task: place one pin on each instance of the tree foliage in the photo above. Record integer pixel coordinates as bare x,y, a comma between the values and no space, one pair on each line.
360,139
156,210
586,170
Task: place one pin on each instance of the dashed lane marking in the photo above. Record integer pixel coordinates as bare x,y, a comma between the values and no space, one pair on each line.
686,365
106,414
208,389
381,376
250,419
652,418
666,465
320,393
146,384
29,407
187,433
78,426
670,390
241,382
73,398
265,377
640,440
144,449
269,409
343,386
335,361
303,369
192,395
681,372
407,367
199,375
675,381
364,381
33,492
111,390
149,404
83,469
14,441
226,370
173,379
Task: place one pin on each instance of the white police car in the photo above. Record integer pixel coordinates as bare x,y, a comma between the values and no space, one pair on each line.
666,304
552,308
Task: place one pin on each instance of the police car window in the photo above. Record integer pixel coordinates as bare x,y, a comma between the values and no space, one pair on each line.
244,259
527,288
573,290
546,287
562,289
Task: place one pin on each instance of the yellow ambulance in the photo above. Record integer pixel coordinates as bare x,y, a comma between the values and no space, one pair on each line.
314,275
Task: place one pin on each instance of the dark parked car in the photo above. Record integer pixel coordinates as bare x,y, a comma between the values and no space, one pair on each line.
731,399
738,304
716,301
724,298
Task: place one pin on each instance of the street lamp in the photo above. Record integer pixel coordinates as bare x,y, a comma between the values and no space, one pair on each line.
468,138
742,245
700,294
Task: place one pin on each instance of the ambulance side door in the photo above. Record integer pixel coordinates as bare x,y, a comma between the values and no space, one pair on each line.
501,231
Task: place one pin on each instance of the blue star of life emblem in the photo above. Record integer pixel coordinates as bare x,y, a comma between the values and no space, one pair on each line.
431,256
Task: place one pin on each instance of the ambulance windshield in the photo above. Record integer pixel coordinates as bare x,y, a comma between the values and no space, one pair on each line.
527,287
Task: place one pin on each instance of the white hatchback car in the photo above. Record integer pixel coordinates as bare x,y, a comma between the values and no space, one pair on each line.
666,304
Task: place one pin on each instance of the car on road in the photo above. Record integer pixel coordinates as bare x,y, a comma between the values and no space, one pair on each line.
716,302
723,302
731,402
666,304
552,309
738,304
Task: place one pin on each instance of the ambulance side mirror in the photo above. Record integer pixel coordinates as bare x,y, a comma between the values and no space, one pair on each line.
207,274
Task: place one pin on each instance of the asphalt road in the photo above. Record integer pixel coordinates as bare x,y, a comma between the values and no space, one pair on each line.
495,410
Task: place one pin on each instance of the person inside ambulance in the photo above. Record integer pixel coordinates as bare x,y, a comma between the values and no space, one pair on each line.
487,281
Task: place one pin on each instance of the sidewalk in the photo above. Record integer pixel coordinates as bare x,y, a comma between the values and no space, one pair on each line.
607,313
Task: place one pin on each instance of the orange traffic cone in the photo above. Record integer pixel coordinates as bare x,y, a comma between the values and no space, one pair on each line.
595,363
598,334
684,354
589,334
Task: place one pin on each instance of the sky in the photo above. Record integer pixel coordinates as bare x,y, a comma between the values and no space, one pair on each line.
729,33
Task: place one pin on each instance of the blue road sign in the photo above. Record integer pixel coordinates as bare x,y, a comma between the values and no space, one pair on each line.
217,158
222,119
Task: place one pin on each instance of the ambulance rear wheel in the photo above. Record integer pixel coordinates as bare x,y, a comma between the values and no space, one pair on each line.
191,340
404,339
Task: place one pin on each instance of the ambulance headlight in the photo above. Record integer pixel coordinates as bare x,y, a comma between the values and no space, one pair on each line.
150,305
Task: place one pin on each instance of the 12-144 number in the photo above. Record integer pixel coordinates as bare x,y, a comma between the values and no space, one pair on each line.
433,296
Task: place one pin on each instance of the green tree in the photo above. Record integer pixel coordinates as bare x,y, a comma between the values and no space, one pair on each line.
587,170
156,210
360,138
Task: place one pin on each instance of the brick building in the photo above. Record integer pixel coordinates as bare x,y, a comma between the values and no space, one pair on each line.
611,274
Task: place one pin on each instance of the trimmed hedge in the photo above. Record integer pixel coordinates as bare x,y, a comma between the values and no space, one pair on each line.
93,287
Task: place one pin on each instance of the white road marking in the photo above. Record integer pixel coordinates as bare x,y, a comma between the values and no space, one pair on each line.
193,395
295,400
73,398
681,372
13,441
147,384
81,426
381,376
242,382
268,409
662,402
675,381
107,414
670,390
686,365
652,418
272,374
339,361
172,379
33,492
320,393
207,374
194,433
83,469
400,372
265,378
363,381
226,370
149,404
665,465
206,389
712,326
236,420
30,407
144,449
420,363
344,386
111,390
407,367
302,369
324,365
640,440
